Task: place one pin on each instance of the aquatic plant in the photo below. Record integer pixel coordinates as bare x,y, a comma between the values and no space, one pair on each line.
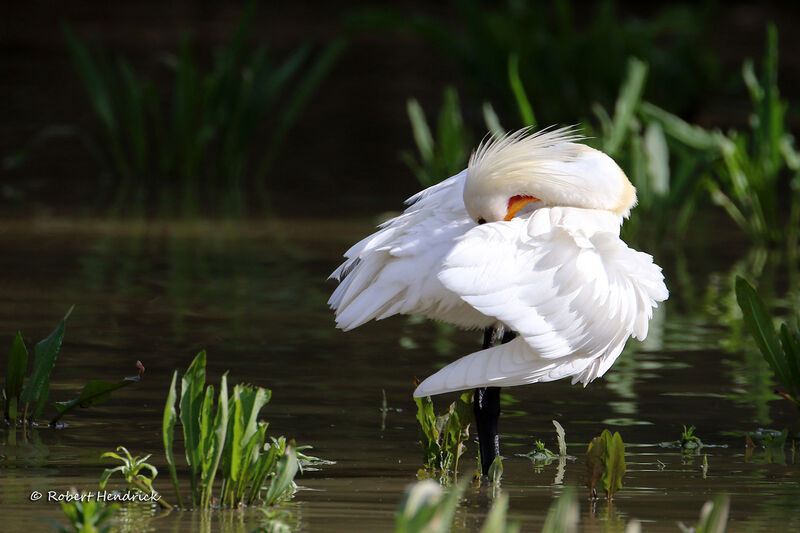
541,453
230,439
26,401
605,463
204,139
131,469
446,155
750,173
427,507
86,515
690,441
443,437
713,517
781,349
564,513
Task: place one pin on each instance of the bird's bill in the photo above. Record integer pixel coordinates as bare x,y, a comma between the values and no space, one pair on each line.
515,203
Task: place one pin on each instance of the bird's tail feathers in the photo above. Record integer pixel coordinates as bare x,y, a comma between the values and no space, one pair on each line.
513,363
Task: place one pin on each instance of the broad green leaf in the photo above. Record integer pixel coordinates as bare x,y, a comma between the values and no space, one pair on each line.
594,464
614,462
15,376
45,352
93,393
168,433
214,452
760,325
192,385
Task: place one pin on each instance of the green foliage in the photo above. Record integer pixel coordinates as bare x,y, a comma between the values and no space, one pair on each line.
427,508
446,155
781,349
87,515
690,441
130,469
442,437
605,462
713,517
93,393
540,452
38,388
666,195
204,141
232,439
564,513
26,401
749,172
751,179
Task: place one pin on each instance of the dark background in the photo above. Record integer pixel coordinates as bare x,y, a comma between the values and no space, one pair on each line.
342,156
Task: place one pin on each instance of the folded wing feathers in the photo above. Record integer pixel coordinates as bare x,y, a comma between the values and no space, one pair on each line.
394,270
574,294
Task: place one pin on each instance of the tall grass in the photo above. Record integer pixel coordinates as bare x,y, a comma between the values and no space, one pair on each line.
210,140
754,175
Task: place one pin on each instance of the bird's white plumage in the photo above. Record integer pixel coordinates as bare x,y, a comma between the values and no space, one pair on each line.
565,282
394,271
559,276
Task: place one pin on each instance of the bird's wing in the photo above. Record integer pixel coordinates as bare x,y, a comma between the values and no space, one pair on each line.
395,269
565,282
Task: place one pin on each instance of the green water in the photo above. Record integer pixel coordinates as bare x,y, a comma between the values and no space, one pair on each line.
254,296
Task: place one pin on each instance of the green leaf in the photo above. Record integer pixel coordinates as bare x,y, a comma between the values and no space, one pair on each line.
15,377
192,385
563,514
627,102
562,443
760,325
655,146
45,353
614,460
420,129
168,433
216,444
93,393
791,352
285,472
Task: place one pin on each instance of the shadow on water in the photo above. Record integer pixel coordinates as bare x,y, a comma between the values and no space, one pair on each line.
253,294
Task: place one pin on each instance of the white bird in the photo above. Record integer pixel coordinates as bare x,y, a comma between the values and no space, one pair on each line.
527,239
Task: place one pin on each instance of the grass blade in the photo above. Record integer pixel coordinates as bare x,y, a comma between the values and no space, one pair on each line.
520,96
15,377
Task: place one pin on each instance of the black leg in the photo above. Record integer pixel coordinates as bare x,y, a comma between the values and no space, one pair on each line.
487,409
487,413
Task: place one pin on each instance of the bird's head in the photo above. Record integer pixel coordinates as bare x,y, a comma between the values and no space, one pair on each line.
547,168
